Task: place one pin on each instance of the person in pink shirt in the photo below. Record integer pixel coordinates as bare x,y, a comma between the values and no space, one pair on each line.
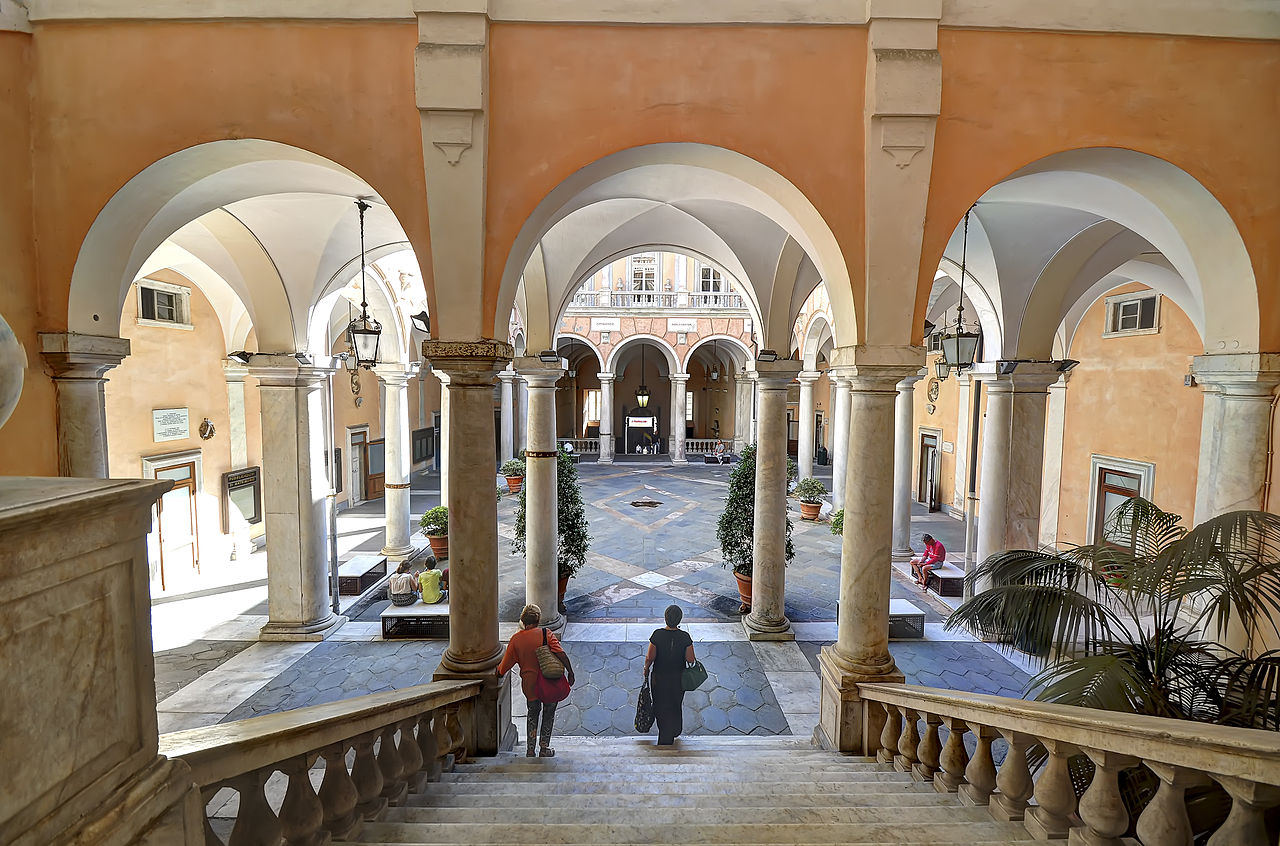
935,555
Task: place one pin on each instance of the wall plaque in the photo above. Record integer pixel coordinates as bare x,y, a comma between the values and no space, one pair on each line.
170,424
948,446
241,498
682,324
606,324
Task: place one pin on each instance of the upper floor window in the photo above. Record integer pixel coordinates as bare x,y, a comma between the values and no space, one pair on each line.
644,272
711,281
1137,313
933,342
162,304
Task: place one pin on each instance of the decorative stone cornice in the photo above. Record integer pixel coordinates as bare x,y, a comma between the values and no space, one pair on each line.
1033,377
776,375
538,373
468,364
69,355
1239,374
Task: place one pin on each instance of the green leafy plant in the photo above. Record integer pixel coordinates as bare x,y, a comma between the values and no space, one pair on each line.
735,529
837,522
572,528
810,490
435,521
512,467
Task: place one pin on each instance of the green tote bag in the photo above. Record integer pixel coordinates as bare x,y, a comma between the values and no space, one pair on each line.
693,677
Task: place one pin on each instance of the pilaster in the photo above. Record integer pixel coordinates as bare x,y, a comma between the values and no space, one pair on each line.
77,364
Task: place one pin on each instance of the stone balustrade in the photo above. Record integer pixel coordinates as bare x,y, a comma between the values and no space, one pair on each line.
700,446
401,739
1245,762
582,446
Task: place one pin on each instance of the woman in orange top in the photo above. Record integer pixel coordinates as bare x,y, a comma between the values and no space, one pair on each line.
522,649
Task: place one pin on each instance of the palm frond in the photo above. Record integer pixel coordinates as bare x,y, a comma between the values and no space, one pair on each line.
1107,681
1250,690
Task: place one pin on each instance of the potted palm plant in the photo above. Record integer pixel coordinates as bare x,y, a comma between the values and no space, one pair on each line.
513,470
435,525
572,528
735,529
810,493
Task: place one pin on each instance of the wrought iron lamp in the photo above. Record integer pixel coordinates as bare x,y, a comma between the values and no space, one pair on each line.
642,392
365,332
959,347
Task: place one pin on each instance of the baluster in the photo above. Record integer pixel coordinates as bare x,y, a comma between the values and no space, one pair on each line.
954,758
440,725
908,742
338,794
1246,824
467,719
411,771
301,813
889,734
1101,807
980,775
367,778
928,749
256,824
1165,822
1055,797
393,787
211,837
1013,780
458,734
430,750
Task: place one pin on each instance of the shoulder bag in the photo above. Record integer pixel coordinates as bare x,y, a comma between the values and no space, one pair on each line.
549,664
693,676
644,708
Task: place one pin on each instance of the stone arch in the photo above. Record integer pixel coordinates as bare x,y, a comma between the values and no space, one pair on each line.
733,345
816,336
668,352
584,341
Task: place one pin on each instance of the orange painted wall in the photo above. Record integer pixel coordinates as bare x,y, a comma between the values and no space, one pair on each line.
28,442
1126,399
1206,105
747,88
342,90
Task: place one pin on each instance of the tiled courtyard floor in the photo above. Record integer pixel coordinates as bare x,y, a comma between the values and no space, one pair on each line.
643,559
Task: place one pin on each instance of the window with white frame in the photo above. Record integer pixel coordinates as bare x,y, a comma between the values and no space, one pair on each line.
1136,313
688,408
162,304
933,342
710,281
590,409
644,272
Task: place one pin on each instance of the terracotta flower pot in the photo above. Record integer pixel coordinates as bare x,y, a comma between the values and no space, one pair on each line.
439,545
810,510
561,586
515,483
744,591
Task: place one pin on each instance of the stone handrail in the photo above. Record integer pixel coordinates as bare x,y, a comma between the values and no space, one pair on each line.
419,732
1245,762
581,445
699,446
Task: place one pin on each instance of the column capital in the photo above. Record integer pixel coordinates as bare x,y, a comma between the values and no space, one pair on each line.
876,378
234,371
1019,377
507,376
808,377
678,377
468,363
776,375
73,356
1238,374
908,382
392,374
283,370
538,373
606,377
867,368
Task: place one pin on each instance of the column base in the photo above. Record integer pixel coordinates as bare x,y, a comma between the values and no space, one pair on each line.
903,554
679,461
603,460
494,731
846,722
768,631
322,630
398,553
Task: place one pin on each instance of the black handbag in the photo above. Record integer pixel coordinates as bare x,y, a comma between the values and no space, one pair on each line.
644,708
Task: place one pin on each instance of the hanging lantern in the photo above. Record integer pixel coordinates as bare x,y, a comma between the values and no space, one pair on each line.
642,392
960,347
364,331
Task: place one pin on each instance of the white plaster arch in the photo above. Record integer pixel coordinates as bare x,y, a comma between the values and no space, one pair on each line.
226,301
325,316
584,341
669,353
977,296
816,335
738,351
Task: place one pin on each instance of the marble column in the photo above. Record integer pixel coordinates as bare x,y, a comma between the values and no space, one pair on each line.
805,450
768,620
541,521
964,413
294,487
1236,431
237,437
1051,485
861,651
395,435
742,412
679,398
442,448
606,418
1013,457
903,452
839,441
522,414
507,436
77,364
474,649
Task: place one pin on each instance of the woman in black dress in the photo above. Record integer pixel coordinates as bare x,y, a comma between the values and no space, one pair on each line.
670,651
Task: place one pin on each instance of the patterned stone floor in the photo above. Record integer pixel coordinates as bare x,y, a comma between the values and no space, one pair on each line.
176,668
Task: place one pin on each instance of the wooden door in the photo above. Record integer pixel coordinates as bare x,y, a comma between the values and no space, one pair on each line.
374,468
176,519
928,484
1115,487
358,464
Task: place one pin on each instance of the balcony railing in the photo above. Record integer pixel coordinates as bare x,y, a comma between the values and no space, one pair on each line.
700,446
581,445
715,300
644,299
657,299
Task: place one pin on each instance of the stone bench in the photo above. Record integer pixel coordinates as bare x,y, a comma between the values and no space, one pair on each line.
947,580
360,573
428,622
906,621
709,458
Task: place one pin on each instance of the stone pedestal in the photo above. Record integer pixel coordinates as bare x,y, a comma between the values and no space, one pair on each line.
679,397
903,452
606,418
294,489
79,705
839,441
395,434
507,434
804,458
541,520
77,364
474,649
768,620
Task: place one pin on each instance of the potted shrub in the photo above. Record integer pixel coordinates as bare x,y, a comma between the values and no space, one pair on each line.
513,470
736,528
572,529
837,522
435,525
810,493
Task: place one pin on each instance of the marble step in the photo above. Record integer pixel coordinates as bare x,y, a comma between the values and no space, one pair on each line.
701,787
557,815
620,777
515,832
888,796
668,767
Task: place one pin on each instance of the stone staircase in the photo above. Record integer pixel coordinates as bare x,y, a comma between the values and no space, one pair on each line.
707,790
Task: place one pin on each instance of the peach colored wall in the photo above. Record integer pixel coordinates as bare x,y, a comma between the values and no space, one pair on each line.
1169,97
1126,399
28,442
944,418
746,88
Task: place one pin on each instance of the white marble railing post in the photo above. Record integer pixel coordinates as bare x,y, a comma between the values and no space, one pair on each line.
768,620
903,452
804,458
541,519
839,441
606,418
294,487
679,396
507,436
77,364
395,434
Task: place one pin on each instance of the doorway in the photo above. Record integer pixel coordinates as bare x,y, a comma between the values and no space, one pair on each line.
375,468
929,481
175,547
357,439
